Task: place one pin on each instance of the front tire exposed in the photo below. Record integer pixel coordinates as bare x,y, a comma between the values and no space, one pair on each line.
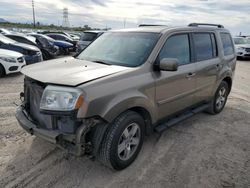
122,141
2,71
220,99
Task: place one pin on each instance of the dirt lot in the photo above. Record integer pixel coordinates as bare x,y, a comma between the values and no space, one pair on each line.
204,151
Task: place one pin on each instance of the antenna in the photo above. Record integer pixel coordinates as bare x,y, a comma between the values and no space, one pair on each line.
65,18
34,17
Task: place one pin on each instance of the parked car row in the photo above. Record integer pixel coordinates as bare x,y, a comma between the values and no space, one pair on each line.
36,47
31,53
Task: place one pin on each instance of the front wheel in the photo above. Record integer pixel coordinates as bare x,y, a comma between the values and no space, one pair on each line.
220,99
123,141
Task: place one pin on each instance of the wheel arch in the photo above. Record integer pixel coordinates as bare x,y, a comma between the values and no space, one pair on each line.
145,115
139,104
228,80
1,66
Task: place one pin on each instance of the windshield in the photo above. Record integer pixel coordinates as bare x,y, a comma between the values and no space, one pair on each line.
49,38
241,41
6,40
88,36
121,48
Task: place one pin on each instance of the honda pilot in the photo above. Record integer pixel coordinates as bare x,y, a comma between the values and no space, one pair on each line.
125,85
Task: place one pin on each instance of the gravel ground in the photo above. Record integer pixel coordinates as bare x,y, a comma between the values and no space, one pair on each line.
203,151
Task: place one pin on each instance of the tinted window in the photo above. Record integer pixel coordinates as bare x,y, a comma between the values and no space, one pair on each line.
227,44
88,36
176,46
57,37
203,46
23,40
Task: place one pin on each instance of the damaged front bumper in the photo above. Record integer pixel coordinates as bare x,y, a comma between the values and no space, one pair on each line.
74,143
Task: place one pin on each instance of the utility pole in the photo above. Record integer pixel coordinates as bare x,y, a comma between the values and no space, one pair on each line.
124,23
34,17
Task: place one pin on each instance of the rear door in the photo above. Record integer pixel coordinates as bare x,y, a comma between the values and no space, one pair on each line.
175,90
208,64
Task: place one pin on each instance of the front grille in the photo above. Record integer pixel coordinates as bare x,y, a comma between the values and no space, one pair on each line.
20,60
247,49
33,94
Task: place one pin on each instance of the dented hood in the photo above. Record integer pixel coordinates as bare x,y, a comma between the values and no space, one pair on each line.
69,71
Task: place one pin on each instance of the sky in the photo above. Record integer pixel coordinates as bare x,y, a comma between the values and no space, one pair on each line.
233,14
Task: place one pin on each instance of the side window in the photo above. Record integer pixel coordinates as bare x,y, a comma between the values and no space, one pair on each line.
176,46
60,37
23,40
227,44
205,46
54,37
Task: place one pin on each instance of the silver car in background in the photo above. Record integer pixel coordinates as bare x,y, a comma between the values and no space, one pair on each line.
242,47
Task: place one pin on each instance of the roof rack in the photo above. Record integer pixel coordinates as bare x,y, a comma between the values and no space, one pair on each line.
148,25
206,24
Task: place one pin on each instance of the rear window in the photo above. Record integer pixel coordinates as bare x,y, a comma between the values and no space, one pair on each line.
88,36
205,46
227,44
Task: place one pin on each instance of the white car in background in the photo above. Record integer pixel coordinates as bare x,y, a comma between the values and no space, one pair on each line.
10,62
242,47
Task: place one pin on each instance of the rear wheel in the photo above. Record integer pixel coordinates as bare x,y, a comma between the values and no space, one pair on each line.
123,141
2,71
220,99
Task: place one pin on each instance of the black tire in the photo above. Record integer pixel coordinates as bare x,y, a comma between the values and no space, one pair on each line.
214,107
63,51
108,152
2,71
46,55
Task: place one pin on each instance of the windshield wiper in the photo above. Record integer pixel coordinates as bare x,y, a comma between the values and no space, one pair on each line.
101,62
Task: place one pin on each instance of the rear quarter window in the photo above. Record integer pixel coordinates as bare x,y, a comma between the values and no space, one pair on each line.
227,43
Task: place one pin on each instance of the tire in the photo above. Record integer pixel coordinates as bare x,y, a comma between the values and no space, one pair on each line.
2,71
46,55
127,131
220,99
63,51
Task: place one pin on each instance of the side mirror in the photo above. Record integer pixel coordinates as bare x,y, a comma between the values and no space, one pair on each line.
168,64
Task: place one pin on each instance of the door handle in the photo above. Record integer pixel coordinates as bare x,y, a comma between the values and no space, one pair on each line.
191,74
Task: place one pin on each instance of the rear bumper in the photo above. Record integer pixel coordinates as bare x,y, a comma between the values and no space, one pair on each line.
73,143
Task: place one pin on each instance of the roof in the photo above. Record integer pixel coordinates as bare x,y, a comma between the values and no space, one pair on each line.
22,35
163,29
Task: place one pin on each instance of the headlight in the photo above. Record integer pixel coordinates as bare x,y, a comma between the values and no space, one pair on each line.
241,48
8,59
58,98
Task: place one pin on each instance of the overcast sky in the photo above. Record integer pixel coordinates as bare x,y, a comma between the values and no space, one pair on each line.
234,14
